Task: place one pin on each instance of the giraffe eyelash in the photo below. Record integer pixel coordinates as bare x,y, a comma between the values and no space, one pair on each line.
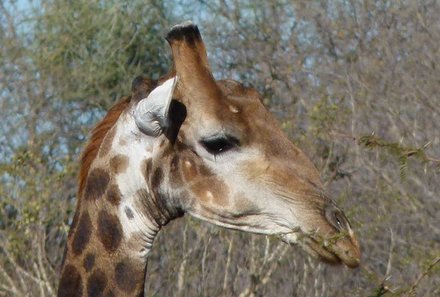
219,145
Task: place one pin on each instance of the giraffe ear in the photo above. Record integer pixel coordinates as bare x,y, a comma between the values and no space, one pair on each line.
151,113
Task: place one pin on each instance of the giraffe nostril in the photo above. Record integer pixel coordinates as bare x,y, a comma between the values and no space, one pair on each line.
336,218
339,219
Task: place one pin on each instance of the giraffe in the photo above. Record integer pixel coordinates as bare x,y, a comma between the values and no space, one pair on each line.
188,143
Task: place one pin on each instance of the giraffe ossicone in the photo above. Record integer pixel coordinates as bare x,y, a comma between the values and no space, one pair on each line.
198,146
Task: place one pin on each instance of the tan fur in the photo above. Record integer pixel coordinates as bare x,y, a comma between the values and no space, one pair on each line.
264,184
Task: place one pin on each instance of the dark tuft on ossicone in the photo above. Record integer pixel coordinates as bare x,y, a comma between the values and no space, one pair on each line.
186,30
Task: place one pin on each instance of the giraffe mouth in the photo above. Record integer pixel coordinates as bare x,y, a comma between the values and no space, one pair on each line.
338,249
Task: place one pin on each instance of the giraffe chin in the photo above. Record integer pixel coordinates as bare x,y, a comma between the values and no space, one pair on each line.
341,251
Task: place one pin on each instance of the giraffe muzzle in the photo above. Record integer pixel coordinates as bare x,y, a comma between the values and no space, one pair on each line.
337,245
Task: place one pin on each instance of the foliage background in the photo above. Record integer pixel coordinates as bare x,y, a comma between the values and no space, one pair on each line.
355,84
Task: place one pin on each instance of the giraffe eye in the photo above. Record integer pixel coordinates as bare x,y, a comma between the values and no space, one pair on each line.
219,145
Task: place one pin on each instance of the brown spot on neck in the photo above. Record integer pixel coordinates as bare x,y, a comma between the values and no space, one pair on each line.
96,184
113,194
96,283
109,231
70,283
119,163
98,134
128,275
128,212
82,234
89,262
111,294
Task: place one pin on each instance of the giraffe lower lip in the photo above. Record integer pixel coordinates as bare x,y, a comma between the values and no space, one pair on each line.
314,248
332,254
335,254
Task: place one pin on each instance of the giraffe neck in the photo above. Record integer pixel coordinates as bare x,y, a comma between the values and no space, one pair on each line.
118,216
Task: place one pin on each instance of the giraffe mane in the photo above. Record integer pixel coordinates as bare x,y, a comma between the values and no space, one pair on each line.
98,133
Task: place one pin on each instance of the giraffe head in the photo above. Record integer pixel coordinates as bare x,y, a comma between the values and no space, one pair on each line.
220,156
